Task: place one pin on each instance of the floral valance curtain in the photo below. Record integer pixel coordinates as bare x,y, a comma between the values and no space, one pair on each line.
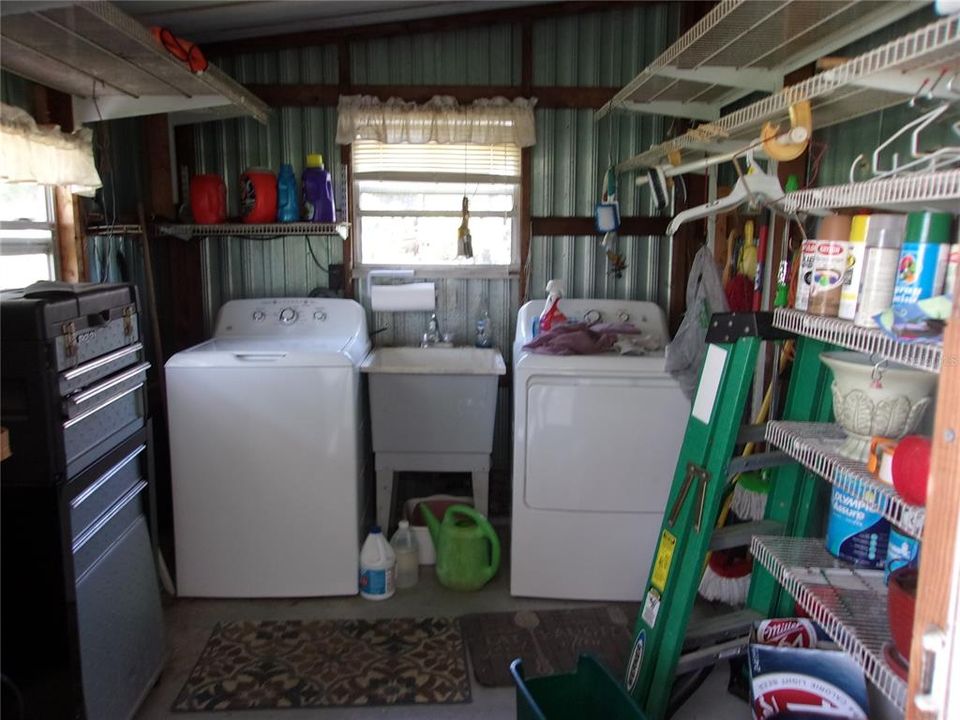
494,121
45,155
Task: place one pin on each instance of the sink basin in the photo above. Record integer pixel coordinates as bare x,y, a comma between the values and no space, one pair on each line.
433,400
435,361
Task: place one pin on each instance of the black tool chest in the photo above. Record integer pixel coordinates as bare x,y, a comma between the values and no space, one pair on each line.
82,632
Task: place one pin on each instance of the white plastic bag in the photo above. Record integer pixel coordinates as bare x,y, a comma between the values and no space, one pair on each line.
704,298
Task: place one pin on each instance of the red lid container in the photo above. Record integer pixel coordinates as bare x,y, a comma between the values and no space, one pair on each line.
258,196
208,199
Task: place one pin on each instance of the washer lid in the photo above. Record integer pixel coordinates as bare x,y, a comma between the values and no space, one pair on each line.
603,363
269,352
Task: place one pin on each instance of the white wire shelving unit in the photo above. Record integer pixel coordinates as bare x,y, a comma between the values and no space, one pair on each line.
872,341
742,46
935,191
114,65
264,231
850,604
877,79
815,445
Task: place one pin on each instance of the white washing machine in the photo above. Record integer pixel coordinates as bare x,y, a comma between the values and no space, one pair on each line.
596,441
265,450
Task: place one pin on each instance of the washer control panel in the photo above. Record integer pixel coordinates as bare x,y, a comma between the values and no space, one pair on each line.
288,316
291,317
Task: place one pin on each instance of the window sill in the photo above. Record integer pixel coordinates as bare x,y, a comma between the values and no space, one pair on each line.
503,272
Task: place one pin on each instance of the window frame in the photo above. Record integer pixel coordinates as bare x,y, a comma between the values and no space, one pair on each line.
33,246
453,270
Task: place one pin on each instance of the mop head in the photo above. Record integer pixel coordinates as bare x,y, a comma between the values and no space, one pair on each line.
750,496
726,578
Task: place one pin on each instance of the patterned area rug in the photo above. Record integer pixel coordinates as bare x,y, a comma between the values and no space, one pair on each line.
328,663
549,641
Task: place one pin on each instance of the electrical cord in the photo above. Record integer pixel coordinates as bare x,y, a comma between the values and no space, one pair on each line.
314,255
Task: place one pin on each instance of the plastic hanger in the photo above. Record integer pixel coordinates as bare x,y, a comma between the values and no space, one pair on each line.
755,187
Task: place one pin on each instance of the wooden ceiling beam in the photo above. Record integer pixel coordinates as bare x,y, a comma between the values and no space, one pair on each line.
309,95
409,27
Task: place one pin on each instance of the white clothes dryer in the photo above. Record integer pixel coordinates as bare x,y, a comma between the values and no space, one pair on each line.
265,425
596,441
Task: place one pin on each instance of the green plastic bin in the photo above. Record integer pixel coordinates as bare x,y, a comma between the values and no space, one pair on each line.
589,692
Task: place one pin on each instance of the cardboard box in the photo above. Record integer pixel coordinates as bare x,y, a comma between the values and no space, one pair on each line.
805,683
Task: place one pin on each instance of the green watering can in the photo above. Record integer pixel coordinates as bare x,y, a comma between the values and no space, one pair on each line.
464,561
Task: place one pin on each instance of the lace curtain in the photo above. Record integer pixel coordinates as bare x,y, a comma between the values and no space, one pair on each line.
45,155
496,121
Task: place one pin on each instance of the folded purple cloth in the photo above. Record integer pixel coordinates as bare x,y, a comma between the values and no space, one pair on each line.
580,338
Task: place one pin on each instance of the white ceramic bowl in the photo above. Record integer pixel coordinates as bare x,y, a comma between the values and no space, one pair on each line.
870,400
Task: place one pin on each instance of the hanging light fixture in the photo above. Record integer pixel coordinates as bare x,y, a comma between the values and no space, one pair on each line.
464,240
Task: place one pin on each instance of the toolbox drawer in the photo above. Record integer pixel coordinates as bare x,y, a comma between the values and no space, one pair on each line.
88,436
105,491
82,401
88,373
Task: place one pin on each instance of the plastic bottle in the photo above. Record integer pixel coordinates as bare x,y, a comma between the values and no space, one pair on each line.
404,546
551,314
288,206
258,196
484,337
317,190
378,567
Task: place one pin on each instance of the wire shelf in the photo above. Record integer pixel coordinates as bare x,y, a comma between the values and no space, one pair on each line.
872,341
920,191
814,445
835,95
264,231
105,230
849,604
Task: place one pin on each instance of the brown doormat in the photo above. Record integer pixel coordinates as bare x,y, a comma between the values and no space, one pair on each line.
328,663
549,641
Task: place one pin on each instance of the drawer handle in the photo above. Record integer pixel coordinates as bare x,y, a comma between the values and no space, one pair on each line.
82,397
79,499
259,356
101,361
119,505
83,416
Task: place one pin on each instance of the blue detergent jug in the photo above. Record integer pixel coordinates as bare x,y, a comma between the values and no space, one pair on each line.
317,188
288,209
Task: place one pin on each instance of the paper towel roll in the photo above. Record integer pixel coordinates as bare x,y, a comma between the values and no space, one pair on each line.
401,298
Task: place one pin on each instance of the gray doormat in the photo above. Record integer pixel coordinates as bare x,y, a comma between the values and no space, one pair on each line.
549,641
328,663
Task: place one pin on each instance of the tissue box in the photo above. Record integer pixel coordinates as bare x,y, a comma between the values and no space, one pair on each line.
802,683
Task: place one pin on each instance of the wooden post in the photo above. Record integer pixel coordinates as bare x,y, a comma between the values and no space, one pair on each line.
68,235
940,531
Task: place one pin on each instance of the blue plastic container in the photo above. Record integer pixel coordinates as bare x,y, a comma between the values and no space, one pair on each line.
855,532
288,206
318,205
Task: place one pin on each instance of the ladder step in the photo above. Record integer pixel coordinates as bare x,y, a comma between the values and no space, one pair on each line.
752,433
757,461
741,534
712,654
718,628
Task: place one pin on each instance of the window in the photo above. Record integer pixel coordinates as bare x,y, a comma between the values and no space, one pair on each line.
27,233
409,202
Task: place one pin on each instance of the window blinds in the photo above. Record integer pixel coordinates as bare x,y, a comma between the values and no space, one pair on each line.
370,157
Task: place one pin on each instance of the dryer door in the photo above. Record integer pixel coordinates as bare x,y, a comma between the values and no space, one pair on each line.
605,444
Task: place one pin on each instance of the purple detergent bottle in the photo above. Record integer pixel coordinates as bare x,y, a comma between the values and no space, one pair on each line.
317,192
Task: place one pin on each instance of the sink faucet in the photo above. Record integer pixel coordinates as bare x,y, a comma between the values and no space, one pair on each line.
432,336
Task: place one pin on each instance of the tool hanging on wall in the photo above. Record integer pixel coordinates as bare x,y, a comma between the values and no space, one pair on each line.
607,221
464,239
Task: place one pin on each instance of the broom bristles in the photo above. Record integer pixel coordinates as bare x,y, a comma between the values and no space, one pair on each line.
748,504
732,591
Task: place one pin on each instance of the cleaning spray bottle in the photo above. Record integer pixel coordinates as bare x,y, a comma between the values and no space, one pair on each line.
551,314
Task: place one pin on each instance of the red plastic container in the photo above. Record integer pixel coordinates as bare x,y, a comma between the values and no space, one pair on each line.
901,603
208,199
258,196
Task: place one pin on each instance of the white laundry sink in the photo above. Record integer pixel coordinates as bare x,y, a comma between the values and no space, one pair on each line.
433,400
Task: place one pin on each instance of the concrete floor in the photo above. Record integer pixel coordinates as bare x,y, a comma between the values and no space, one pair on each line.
189,623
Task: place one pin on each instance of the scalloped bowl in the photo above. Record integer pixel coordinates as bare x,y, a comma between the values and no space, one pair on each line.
892,410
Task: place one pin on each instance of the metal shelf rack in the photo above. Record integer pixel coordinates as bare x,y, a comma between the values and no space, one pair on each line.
814,445
266,231
922,356
936,191
849,604
877,79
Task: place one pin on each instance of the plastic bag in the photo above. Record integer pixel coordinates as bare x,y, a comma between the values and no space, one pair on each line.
705,297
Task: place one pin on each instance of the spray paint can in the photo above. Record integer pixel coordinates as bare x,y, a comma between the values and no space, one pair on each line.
856,247
829,266
880,258
922,266
953,264
808,253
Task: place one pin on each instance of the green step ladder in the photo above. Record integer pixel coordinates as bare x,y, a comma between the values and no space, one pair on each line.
662,647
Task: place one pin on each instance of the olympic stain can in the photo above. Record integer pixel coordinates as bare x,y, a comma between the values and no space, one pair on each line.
856,532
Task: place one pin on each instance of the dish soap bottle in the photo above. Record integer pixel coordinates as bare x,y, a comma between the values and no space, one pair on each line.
378,567
404,546
484,338
551,314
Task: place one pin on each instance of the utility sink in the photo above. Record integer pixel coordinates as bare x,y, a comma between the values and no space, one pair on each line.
433,400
